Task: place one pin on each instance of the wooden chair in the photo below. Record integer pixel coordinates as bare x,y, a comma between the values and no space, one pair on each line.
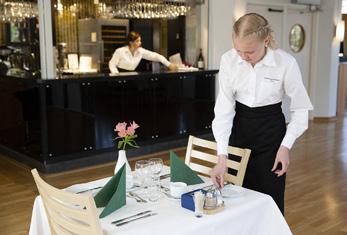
201,156
68,213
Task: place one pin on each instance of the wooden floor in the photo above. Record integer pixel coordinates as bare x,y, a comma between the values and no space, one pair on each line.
316,192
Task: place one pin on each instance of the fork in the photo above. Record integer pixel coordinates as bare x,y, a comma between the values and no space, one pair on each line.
137,196
132,196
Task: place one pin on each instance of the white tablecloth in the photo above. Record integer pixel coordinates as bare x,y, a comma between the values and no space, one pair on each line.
247,212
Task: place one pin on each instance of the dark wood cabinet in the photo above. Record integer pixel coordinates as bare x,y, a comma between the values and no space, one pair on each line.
70,125
77,116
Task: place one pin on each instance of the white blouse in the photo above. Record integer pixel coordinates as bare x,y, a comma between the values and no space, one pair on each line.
264,84
122,58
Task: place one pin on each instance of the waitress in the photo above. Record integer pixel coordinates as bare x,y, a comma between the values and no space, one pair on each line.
127,58
253,79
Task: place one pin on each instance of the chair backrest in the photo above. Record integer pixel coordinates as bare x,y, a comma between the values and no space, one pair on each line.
68,213
201,156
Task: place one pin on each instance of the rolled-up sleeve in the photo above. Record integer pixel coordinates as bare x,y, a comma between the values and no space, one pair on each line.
224,109
299,106
153,56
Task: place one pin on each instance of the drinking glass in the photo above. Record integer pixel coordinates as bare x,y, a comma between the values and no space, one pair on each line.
155,167
153,189
142,174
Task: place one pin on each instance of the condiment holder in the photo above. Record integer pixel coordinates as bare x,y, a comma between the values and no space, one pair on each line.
213,201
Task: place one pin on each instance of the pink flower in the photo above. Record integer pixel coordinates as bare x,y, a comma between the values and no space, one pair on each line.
130,131
120,126
126,134
134,125
122,133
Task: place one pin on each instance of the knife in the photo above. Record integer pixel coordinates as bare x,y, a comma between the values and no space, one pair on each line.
164,176
142,217
131,216
83,191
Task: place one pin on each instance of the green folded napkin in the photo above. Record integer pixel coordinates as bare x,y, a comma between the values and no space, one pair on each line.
180,172
112,195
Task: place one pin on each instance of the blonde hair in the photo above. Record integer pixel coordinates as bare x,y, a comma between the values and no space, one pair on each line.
253,24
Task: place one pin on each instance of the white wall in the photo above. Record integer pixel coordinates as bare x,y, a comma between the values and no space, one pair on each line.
222,15
324,69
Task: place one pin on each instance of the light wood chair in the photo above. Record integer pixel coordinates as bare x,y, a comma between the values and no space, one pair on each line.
201,156
68,213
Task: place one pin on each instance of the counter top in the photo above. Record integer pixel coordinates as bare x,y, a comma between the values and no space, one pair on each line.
122,75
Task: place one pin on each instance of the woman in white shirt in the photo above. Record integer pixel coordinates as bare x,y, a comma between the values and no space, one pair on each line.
127,58
253,78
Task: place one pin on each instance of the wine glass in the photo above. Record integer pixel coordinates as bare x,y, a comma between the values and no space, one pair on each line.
156,165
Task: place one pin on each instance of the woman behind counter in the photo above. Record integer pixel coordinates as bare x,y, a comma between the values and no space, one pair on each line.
127,58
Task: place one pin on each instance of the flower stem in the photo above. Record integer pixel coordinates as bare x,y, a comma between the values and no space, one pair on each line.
125,142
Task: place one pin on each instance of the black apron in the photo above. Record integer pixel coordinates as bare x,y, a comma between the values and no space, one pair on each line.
261,129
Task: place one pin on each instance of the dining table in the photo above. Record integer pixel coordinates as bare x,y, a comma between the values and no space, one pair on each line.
245,212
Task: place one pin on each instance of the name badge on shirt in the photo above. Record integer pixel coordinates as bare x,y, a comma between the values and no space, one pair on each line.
272,79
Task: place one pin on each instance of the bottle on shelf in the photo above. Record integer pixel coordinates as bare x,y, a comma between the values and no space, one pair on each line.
201,62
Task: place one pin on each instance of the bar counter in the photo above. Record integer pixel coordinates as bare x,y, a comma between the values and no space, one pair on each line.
66,123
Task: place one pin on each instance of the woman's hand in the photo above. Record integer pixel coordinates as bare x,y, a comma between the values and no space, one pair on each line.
218,171
283,158
173,67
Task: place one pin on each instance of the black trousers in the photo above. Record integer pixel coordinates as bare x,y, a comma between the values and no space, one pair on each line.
261,129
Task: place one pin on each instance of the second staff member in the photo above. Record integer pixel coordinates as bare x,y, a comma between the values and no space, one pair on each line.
127,58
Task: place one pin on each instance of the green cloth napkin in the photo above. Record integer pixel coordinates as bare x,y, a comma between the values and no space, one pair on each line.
112,195
180,172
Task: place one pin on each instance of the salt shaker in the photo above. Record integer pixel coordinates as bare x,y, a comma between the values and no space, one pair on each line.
198,203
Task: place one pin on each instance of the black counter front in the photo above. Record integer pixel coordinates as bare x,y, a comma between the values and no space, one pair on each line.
69,122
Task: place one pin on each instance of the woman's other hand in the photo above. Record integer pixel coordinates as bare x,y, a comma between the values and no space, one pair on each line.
283,158
218,171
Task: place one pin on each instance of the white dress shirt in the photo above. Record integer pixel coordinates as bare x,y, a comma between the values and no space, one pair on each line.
264,84
122,58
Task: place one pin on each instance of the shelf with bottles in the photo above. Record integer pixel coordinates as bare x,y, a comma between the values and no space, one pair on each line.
25,32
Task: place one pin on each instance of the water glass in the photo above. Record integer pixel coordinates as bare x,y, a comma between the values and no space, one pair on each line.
153,189
142,173
156,166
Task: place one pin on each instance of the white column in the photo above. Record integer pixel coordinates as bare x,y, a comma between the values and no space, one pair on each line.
46,41
204,31
222,15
